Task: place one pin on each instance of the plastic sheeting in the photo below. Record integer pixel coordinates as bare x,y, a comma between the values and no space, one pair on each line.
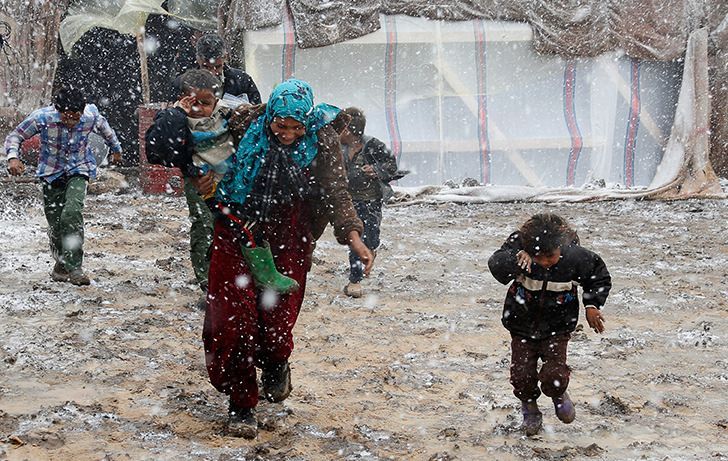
472,99
648,29
124,16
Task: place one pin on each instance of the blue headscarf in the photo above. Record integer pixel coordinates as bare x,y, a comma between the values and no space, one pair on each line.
292,98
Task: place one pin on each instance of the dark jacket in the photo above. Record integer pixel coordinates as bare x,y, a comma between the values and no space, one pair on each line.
544,302
361,186
237,83
169,141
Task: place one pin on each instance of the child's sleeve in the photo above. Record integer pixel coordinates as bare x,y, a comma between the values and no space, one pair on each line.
595,280
503,264
385,163
26,130
103,128
169,141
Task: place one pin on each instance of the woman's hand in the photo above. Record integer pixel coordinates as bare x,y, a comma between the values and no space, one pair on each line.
115,159
365,254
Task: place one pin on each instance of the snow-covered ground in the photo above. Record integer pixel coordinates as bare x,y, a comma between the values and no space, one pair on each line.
418,369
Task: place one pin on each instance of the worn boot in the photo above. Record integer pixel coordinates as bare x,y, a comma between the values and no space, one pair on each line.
564,408
59,273
353,290
532,418
276,380
264,272
77,277
242,422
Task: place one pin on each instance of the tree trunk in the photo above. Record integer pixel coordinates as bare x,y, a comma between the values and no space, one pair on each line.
28,66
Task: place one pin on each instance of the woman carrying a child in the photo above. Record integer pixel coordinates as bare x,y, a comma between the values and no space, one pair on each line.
285,182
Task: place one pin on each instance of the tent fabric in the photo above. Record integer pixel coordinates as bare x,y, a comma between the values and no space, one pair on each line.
452,99
719,96
456,10
473,99
238,16
323,23
124,16
684,172
648,29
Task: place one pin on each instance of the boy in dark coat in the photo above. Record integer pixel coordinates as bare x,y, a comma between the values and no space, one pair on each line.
546,265
369,168
212,56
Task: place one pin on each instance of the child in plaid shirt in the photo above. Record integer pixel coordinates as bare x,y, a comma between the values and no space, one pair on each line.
65,164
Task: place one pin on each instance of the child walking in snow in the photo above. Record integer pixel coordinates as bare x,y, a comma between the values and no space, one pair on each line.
546,264
65,166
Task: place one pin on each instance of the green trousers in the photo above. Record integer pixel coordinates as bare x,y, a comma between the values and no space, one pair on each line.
63,206
200,233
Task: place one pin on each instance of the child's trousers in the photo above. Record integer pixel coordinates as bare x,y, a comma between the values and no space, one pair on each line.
370,213
554,373
63,206
200,232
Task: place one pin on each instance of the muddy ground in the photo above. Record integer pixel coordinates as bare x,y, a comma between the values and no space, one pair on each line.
417,370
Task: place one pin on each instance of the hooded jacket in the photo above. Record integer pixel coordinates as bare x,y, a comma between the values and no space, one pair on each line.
545,302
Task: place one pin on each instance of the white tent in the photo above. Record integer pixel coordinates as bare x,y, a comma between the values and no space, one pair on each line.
472,99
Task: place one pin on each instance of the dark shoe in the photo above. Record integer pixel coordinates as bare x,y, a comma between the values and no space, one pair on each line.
242,422
264,272
77,277
59,273
532,418
564,408
277,382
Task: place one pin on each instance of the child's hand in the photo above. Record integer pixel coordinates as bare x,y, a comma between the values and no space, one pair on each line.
204,184
186,103
369,171
15,167
115,159
595,319
524,260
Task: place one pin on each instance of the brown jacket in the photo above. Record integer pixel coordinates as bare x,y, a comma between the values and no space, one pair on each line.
327,172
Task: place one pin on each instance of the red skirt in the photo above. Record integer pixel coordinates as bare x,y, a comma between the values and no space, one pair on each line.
246,327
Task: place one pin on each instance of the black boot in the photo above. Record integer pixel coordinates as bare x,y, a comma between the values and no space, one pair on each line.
242,422
276,380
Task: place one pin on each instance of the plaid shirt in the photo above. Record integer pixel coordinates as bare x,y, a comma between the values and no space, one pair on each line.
62,151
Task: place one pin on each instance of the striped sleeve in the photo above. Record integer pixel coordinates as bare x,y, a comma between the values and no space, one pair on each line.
26,130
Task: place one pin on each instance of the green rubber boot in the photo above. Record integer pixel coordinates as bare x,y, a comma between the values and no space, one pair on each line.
263,269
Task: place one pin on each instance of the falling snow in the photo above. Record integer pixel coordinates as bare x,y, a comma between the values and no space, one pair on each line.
417,369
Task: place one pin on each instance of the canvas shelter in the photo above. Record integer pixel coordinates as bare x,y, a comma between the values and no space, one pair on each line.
539,98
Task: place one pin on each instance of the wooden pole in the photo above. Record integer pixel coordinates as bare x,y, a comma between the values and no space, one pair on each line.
143,69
